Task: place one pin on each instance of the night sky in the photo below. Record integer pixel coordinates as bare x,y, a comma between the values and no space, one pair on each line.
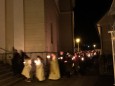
87,14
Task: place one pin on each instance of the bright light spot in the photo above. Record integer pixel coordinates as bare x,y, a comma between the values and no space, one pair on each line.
24,62
88,55
73,58
61,57
94,45
48,56
78,40
82,59
65,61
37,62
88,46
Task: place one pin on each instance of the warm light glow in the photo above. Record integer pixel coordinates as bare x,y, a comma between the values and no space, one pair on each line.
82,59
24,62
37,62
65,61
73,58
78,40
61,57
48,56
94,45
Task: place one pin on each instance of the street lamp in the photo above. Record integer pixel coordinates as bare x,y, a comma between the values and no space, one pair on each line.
78,41
94,46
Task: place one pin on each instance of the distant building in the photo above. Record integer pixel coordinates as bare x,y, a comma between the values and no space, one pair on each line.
36,25
105,26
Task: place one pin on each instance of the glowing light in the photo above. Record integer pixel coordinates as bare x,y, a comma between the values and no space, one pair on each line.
24,62
94,46
37,62
88,46
94,53
65,61
61,57
79,56
82,59
73,58
88,55
78,41
48,56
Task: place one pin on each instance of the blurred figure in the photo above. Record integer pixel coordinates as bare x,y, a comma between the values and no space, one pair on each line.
16,62
61,59
75,64
68,64
27,68
22,56
47,66
33,67
40,75
54,68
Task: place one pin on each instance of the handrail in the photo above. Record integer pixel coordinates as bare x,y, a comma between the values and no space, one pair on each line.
32,52
5,50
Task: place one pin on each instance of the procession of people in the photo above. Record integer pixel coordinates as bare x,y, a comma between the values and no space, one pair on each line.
54,67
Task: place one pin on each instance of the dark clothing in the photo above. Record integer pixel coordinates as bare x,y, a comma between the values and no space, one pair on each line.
61,65
33,69
22,56
68,66
16,63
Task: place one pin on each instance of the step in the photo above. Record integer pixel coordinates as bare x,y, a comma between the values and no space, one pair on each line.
5,71
8,81
11,83
5,75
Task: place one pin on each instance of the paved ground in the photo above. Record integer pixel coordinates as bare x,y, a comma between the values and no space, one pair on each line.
91,78
85,80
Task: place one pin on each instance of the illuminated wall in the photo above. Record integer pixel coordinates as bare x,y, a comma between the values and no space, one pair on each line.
66,29
2,24
9,24
36,25
51,25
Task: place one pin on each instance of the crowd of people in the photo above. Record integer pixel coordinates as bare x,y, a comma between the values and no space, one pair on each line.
54,67
34,67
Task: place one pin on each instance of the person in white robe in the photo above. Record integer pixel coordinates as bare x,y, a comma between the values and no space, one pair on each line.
40,75
54,68
27,68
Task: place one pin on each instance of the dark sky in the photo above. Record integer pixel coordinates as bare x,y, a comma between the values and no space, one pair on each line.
87,14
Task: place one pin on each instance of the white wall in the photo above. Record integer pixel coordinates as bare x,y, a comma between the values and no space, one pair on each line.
2,24
18,25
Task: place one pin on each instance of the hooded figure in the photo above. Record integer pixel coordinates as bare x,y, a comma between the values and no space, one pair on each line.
39,69
54,68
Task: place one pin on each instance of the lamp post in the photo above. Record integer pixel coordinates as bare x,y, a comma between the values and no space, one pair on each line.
78,41
94,46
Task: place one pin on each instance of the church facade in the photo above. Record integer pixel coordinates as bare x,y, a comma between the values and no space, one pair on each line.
36,25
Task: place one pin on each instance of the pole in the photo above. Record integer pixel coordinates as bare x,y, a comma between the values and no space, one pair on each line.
78,41
78,46
113,52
